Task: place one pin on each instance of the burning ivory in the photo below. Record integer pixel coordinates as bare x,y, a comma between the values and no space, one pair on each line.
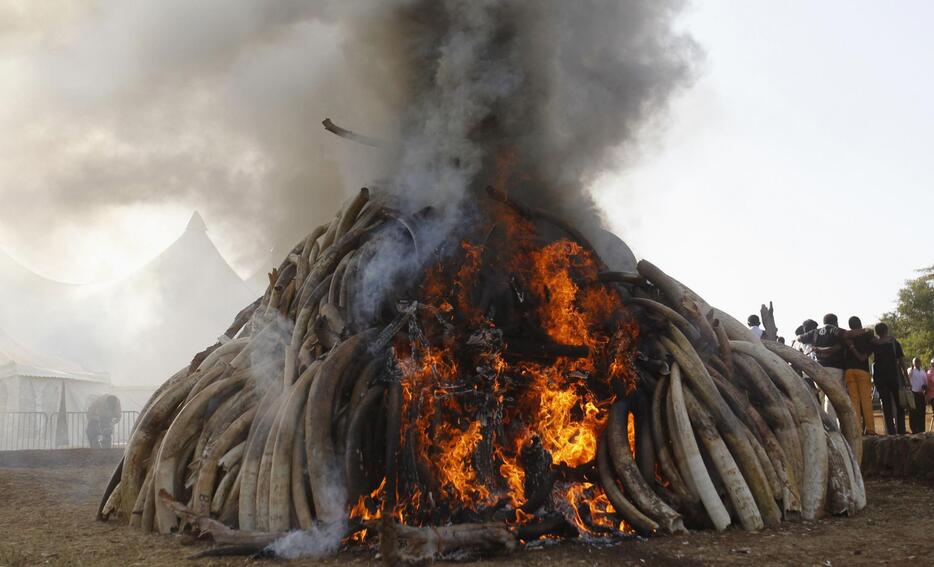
515,389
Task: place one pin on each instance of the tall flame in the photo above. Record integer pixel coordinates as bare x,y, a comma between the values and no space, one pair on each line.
476,406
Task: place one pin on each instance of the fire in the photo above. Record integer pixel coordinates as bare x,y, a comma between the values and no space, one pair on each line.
560,315
570,441
456,469
515,478
516,356
367,508
631,430
590,500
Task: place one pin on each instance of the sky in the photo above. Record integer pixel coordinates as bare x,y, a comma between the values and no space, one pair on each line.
794,168
797,167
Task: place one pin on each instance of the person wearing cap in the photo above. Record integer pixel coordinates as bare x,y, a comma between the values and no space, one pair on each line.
918,379
857,377
755,325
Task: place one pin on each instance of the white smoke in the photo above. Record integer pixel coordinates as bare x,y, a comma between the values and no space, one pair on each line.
317,542
217,105
116,105
321,539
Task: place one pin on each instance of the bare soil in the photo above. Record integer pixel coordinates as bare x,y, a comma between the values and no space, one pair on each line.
47,518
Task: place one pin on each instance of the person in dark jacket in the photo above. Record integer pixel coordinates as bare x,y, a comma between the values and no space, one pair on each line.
103,413
888,375
829,343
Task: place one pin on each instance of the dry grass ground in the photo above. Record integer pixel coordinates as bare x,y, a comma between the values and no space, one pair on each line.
47,517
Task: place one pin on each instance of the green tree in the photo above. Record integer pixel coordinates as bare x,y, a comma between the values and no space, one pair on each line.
912,322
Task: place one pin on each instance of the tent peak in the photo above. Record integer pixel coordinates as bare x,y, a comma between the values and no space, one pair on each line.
196,223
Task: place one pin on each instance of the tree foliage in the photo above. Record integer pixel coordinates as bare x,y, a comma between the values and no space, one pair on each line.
912,322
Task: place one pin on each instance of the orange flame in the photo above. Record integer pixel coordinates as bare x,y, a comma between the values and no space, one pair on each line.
450,384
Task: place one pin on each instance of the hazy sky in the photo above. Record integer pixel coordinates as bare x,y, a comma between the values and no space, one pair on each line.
795,169
798,168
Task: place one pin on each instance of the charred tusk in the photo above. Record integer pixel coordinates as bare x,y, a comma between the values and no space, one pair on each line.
624,508
618,445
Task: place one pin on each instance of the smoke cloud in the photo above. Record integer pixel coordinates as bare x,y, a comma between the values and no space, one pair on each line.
212,105
113,106
216,105
555,90
314,543
538,98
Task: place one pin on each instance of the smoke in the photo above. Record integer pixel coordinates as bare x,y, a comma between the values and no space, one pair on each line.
217,105
537,98
322,538
551,92
117,107
316,542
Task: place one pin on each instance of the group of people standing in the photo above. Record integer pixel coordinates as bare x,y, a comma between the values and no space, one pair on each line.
862,358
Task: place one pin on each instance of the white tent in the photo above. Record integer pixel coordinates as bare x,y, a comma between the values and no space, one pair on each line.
141,328
33,382
42,397
173,307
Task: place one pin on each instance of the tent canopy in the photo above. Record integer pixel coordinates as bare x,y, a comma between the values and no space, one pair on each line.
34,382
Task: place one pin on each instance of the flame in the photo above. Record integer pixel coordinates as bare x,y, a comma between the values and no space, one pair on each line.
477,413
571,441
631,430
515,478
560,316
367,508
456,469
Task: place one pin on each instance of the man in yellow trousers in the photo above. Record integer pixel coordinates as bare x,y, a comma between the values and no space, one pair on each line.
857,377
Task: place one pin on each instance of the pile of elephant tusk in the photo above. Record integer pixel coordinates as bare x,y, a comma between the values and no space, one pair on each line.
262,434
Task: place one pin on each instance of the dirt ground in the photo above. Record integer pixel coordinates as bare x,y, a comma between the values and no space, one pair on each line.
47,518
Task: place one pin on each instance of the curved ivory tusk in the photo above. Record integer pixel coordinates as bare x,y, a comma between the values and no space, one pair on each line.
617,439
223,489
280,485
784,470
814,444
328,488
693,462
236,432
834,391
252,456
728,424
736,487
624,508
840,498
686,326
183,428
775,411
149,427
662,449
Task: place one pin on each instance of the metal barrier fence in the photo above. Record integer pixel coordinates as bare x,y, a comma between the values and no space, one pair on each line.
39,430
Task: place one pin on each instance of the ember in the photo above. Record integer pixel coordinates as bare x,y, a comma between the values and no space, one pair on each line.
516,390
